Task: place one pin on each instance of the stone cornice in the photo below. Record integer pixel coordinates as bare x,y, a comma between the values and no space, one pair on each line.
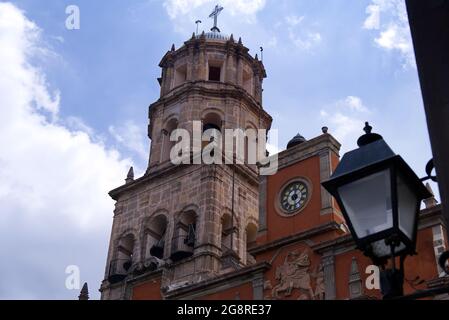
167,168
431,216
308,149
225,47
208,89
330,226
218,281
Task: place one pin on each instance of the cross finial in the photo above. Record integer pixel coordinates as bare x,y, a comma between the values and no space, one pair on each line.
214,15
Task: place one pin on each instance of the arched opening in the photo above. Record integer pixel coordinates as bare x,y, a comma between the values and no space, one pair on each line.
215,70
155,237
212,121
251,236
184,238
180,75
226,233
167,145
120,266
250,147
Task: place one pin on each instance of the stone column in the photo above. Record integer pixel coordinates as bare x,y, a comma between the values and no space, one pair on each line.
239,71
190,62
201,67
230,68
164,138
257,283
262,203
328,261
325,172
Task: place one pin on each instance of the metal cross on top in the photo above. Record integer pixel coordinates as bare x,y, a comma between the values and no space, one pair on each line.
215,14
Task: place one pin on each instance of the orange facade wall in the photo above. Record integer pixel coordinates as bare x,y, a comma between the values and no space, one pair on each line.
423,265
243,292
150,290
417,268
279,226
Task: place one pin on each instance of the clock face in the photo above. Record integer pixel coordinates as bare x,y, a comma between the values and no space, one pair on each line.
294,197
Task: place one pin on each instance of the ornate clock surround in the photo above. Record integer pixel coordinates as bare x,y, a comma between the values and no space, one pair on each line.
284,189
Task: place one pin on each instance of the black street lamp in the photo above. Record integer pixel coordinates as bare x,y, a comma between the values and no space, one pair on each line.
380,197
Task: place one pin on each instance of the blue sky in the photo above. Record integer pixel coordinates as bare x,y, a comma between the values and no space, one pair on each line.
75,104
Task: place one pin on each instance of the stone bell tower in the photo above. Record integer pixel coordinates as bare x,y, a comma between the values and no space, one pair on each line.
190,222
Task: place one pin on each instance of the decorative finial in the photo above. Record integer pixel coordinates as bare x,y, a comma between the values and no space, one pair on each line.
173,47
214,15
367,128
368,137
231,38
240,40
324,129
193,35
197,23
430,202
256,57
203,35
84,294
130,176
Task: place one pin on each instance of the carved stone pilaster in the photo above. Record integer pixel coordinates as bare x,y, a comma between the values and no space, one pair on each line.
328,261
262,203
355,281
258,284
325,172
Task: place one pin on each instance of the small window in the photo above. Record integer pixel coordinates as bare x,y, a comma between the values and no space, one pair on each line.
180,75
214,73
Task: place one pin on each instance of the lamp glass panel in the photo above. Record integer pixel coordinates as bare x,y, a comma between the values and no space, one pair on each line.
407,204
367,202
381,250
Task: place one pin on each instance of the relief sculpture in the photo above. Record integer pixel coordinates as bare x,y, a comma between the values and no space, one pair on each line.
296,273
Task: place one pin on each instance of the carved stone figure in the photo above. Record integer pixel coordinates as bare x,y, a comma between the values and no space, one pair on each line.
294,274
319,283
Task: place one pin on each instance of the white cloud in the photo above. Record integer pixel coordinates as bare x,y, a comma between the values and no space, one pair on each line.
345,119
306,41
303,38
389,19
239,18
293,20
184,12
54,177
132,137
353,103
175,8
373,19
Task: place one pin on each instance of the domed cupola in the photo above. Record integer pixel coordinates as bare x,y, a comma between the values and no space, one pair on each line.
296,140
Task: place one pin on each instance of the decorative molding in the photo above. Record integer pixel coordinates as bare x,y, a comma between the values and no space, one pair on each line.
328,261
262,203
279,210
355,281
308,149
219,283
258,286
305,235
325,173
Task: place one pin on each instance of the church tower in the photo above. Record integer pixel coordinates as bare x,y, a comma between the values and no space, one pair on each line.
181,224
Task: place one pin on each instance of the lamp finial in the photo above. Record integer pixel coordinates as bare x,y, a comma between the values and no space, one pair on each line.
368,137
